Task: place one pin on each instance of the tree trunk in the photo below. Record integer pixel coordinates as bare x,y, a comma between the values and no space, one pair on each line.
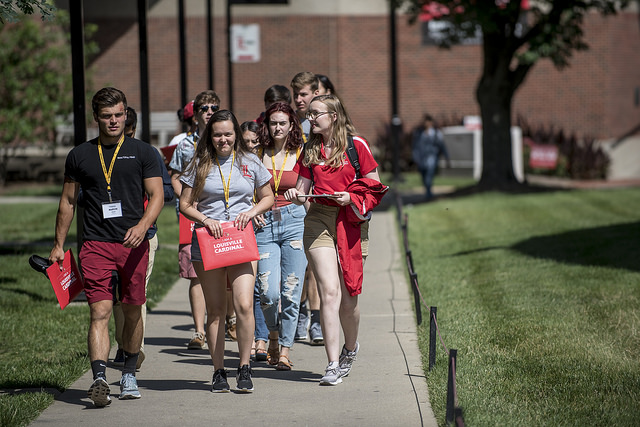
495,93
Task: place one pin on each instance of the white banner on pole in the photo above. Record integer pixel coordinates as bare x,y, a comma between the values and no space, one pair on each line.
245,43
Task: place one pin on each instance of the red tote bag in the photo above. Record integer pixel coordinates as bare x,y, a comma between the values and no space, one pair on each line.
186,230
234,247
67,283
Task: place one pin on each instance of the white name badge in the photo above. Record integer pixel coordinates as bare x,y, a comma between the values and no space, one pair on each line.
112,210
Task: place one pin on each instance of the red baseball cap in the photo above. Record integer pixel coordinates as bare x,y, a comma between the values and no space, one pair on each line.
187,113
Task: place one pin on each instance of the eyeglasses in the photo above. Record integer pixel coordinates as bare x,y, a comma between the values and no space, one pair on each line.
312,116
206,108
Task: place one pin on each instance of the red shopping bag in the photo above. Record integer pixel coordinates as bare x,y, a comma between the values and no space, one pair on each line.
67,283
234,247
186,230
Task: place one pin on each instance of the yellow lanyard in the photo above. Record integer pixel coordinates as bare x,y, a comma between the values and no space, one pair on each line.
278,176
226,186
107,174
195,139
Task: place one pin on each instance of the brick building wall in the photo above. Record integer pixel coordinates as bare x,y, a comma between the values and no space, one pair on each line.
594,96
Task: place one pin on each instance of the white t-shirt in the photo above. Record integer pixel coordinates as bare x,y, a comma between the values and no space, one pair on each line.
179,137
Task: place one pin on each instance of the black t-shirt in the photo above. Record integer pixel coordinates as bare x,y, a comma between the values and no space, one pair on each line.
135,162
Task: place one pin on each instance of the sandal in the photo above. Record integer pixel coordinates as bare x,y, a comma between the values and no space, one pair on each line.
284,364
261,353
273,353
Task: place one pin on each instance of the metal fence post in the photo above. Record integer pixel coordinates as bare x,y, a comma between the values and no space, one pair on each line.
433,312
451,387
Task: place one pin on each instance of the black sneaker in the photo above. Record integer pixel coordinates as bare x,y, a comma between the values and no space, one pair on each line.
244,379
219,383
119,359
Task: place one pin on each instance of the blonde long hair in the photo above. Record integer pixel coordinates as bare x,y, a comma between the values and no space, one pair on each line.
341,129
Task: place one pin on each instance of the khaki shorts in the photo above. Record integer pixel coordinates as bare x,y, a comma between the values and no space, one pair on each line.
320,228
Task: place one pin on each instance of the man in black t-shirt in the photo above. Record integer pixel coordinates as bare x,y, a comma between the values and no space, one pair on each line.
114,173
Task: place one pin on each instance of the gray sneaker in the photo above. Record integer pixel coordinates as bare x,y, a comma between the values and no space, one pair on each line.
303,324
347,358
315,333
331,374
99,392
315,330
129,387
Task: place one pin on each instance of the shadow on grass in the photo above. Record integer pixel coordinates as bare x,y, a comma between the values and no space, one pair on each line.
25,248
5,280
609,246
417,197
32,295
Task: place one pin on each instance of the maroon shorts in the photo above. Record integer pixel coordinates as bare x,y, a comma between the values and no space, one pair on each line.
184,262
99,260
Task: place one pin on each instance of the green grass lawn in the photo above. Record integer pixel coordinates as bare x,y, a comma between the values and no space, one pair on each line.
412,181
42,347
540,295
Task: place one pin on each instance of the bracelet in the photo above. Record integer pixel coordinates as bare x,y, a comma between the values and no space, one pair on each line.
205,219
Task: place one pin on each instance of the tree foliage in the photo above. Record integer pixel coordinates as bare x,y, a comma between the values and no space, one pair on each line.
515,35
10,9
35,78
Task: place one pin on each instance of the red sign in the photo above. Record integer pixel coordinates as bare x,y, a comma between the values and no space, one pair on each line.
543,156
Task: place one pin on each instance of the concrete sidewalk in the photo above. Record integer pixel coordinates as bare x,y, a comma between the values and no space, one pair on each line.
386,386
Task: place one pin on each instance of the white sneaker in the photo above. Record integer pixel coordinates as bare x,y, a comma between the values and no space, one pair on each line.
331,374
347,358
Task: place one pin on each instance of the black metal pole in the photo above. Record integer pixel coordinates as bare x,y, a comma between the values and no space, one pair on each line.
416,297
183,54
433,315
144,71
396,122
210,42
76,18
450,412
229,63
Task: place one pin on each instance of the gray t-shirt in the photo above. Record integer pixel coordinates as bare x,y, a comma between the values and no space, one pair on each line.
247,175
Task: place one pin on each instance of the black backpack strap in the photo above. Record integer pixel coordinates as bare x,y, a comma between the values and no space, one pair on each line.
352,154
304,149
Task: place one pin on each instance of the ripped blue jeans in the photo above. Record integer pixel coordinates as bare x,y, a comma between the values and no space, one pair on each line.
281,270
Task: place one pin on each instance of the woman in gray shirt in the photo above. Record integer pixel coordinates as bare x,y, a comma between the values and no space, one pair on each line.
220,185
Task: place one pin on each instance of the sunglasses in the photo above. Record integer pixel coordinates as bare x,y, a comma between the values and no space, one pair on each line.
206,108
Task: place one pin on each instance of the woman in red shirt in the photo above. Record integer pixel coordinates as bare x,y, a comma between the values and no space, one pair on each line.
325,169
